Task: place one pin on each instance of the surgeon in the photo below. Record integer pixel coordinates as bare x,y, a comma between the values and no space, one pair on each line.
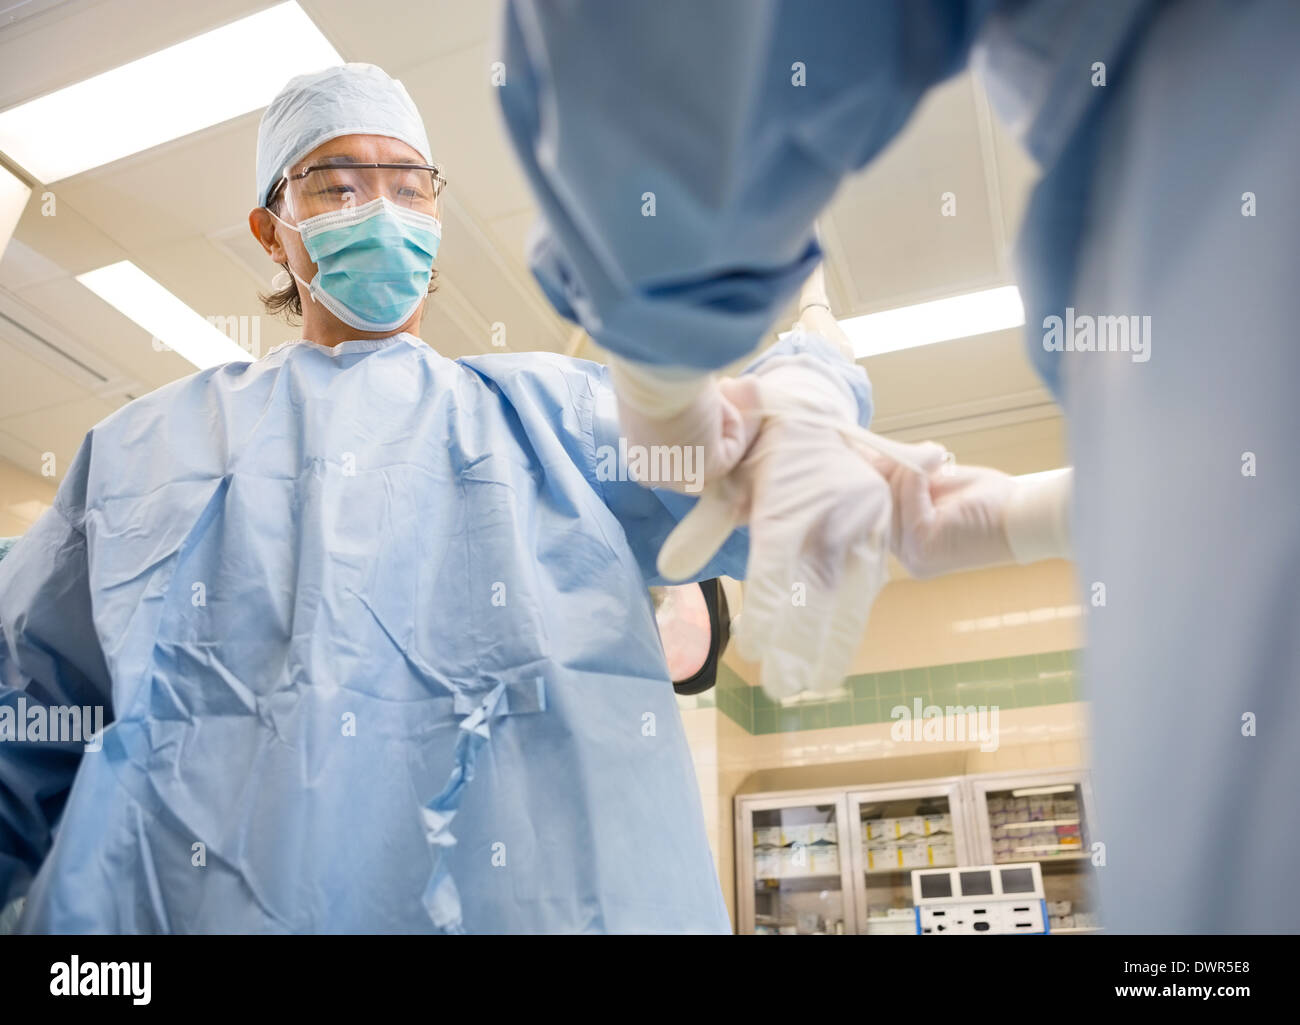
370,628
1166,135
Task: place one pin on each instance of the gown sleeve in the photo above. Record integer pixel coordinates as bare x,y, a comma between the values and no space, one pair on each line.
50,658
680,151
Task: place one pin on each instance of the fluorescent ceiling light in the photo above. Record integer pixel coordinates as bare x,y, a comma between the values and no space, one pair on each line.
812,697
961,316
14,194
1067,788
1022,618
182,89
131,291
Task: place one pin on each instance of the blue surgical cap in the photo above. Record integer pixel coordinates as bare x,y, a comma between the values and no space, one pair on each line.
352,99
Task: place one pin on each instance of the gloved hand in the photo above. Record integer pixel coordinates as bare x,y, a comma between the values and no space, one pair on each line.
680,409
967,517
819,524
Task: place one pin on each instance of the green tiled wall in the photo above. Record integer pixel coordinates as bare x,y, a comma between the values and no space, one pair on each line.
735,697
1047,679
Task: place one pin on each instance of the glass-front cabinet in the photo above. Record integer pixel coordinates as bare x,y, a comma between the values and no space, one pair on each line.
896,830
795,867
840,861
1043,817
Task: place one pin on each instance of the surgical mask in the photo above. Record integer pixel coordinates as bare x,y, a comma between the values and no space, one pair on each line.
373,262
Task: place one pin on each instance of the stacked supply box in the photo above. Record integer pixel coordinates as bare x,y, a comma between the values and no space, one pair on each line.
1041,826
913,841
794,851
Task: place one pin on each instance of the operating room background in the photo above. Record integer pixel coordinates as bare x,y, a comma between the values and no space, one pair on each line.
179,212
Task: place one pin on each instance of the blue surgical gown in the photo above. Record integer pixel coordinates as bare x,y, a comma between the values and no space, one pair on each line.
371,633
1168,141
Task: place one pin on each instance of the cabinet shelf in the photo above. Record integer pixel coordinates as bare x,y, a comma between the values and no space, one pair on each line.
873,826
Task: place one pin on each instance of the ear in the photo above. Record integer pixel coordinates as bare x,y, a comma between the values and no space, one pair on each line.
266,229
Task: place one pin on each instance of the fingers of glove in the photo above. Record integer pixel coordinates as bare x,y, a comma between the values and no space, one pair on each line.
739,426
791,611
765,592
797,587
795,635
929,455
811,642
846,623
918,522
956,478
865,575
806,493
865,558
787,559
782,673
882,463
916,504
770,584
701,532
892,473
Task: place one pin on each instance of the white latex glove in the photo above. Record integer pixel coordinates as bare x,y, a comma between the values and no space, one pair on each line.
967,517
660,407
819,525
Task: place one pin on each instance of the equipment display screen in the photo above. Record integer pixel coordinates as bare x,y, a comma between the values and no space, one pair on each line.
1017,880
976,884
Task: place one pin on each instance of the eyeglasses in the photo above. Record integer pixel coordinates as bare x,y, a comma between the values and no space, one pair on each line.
325,188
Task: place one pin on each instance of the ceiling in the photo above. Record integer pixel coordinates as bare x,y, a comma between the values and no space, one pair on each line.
179,211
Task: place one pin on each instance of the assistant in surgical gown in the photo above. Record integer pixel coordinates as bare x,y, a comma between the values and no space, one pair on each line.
372,632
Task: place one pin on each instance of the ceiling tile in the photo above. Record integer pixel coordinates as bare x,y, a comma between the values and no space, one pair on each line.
59,429
21,266
198,184
1017,175
124,348
27,384
466,132
962,370
887,228
396,34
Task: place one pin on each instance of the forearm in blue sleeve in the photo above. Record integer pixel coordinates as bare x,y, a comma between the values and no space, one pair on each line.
50,659
681,151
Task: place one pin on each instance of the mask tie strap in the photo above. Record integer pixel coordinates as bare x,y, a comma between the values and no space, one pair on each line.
311,293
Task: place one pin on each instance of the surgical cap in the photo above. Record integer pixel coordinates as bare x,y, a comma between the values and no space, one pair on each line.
351,99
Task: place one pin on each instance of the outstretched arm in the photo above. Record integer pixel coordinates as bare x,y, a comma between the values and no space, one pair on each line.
50,660
681,151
